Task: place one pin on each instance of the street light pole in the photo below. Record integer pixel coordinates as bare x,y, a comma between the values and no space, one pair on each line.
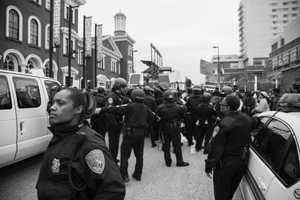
69,44
218,65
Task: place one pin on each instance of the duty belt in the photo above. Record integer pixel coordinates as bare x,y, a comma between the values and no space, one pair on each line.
173,124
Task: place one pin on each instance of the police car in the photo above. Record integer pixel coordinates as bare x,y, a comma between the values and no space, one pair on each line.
274,169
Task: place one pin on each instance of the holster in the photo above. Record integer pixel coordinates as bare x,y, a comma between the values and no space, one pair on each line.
128,132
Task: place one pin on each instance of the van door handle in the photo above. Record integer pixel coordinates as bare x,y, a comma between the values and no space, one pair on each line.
22,127
261,184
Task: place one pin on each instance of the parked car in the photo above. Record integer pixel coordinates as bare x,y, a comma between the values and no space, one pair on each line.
23,115
274,169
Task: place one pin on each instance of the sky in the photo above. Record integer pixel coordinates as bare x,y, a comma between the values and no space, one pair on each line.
183,31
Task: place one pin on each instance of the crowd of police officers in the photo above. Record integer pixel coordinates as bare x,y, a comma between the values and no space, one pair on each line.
163,115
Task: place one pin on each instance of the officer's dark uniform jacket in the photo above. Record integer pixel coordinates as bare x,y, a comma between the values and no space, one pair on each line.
206,113
113,99
130,111
92,165
193,101
100,99
150,102
229,139
171,113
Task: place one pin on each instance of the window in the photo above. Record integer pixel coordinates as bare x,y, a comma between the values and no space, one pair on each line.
271,141
36,1
113,66
5,97
9,63
48,4
289,171
33,32
47,31
273,4
285,21
66,47
130,53
296,8
274,16
274,28
27,92
67,13
31,64
49,85
285,15
101,65
294,15
47,70
13,24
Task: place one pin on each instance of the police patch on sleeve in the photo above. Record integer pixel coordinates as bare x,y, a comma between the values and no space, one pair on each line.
95,160
110,100
215,132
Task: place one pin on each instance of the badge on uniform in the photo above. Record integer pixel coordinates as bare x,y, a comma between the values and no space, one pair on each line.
215,132
96,161
110,100
55,165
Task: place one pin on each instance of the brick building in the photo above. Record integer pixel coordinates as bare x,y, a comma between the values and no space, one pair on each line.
25,39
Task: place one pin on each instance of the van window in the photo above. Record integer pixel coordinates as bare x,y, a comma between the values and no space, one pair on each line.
5,98
49,85
27,92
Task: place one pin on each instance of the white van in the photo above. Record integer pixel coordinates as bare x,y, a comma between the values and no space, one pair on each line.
23,115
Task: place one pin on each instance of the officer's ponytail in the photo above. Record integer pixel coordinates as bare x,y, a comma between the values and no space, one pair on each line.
84,99
90,105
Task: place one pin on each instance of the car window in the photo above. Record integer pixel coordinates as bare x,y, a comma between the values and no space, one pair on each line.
255,131
49,85
27,92
289,171
271,142
5,98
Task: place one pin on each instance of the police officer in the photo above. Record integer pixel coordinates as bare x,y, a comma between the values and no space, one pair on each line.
228,149
137,115
171,115
226,90
77,163
98,122
150,102
191,118
207,116
114,123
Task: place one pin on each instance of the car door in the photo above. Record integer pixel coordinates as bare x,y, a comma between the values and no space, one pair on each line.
49,94
8,124
266,154
31,116
285,184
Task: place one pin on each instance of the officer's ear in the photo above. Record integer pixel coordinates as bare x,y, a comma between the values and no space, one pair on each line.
79,110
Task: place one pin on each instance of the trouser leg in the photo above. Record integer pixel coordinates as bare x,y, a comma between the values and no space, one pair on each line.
114,135
126,147
138,149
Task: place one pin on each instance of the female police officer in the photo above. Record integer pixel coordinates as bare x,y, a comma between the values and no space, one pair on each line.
77,163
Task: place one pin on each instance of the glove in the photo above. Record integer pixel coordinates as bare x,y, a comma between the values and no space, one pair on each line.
182,138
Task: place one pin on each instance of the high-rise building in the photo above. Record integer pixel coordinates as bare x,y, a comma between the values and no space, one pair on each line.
261,21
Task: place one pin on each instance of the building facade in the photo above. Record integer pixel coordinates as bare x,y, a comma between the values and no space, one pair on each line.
284,63
25,44
261,21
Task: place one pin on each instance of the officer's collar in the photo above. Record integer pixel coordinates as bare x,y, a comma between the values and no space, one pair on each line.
65,131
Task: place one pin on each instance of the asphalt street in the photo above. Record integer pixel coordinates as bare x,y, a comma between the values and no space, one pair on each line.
17,182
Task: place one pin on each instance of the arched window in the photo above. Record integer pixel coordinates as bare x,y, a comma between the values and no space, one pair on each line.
48,38
47,70
9,64
34,32
13,24
31,64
